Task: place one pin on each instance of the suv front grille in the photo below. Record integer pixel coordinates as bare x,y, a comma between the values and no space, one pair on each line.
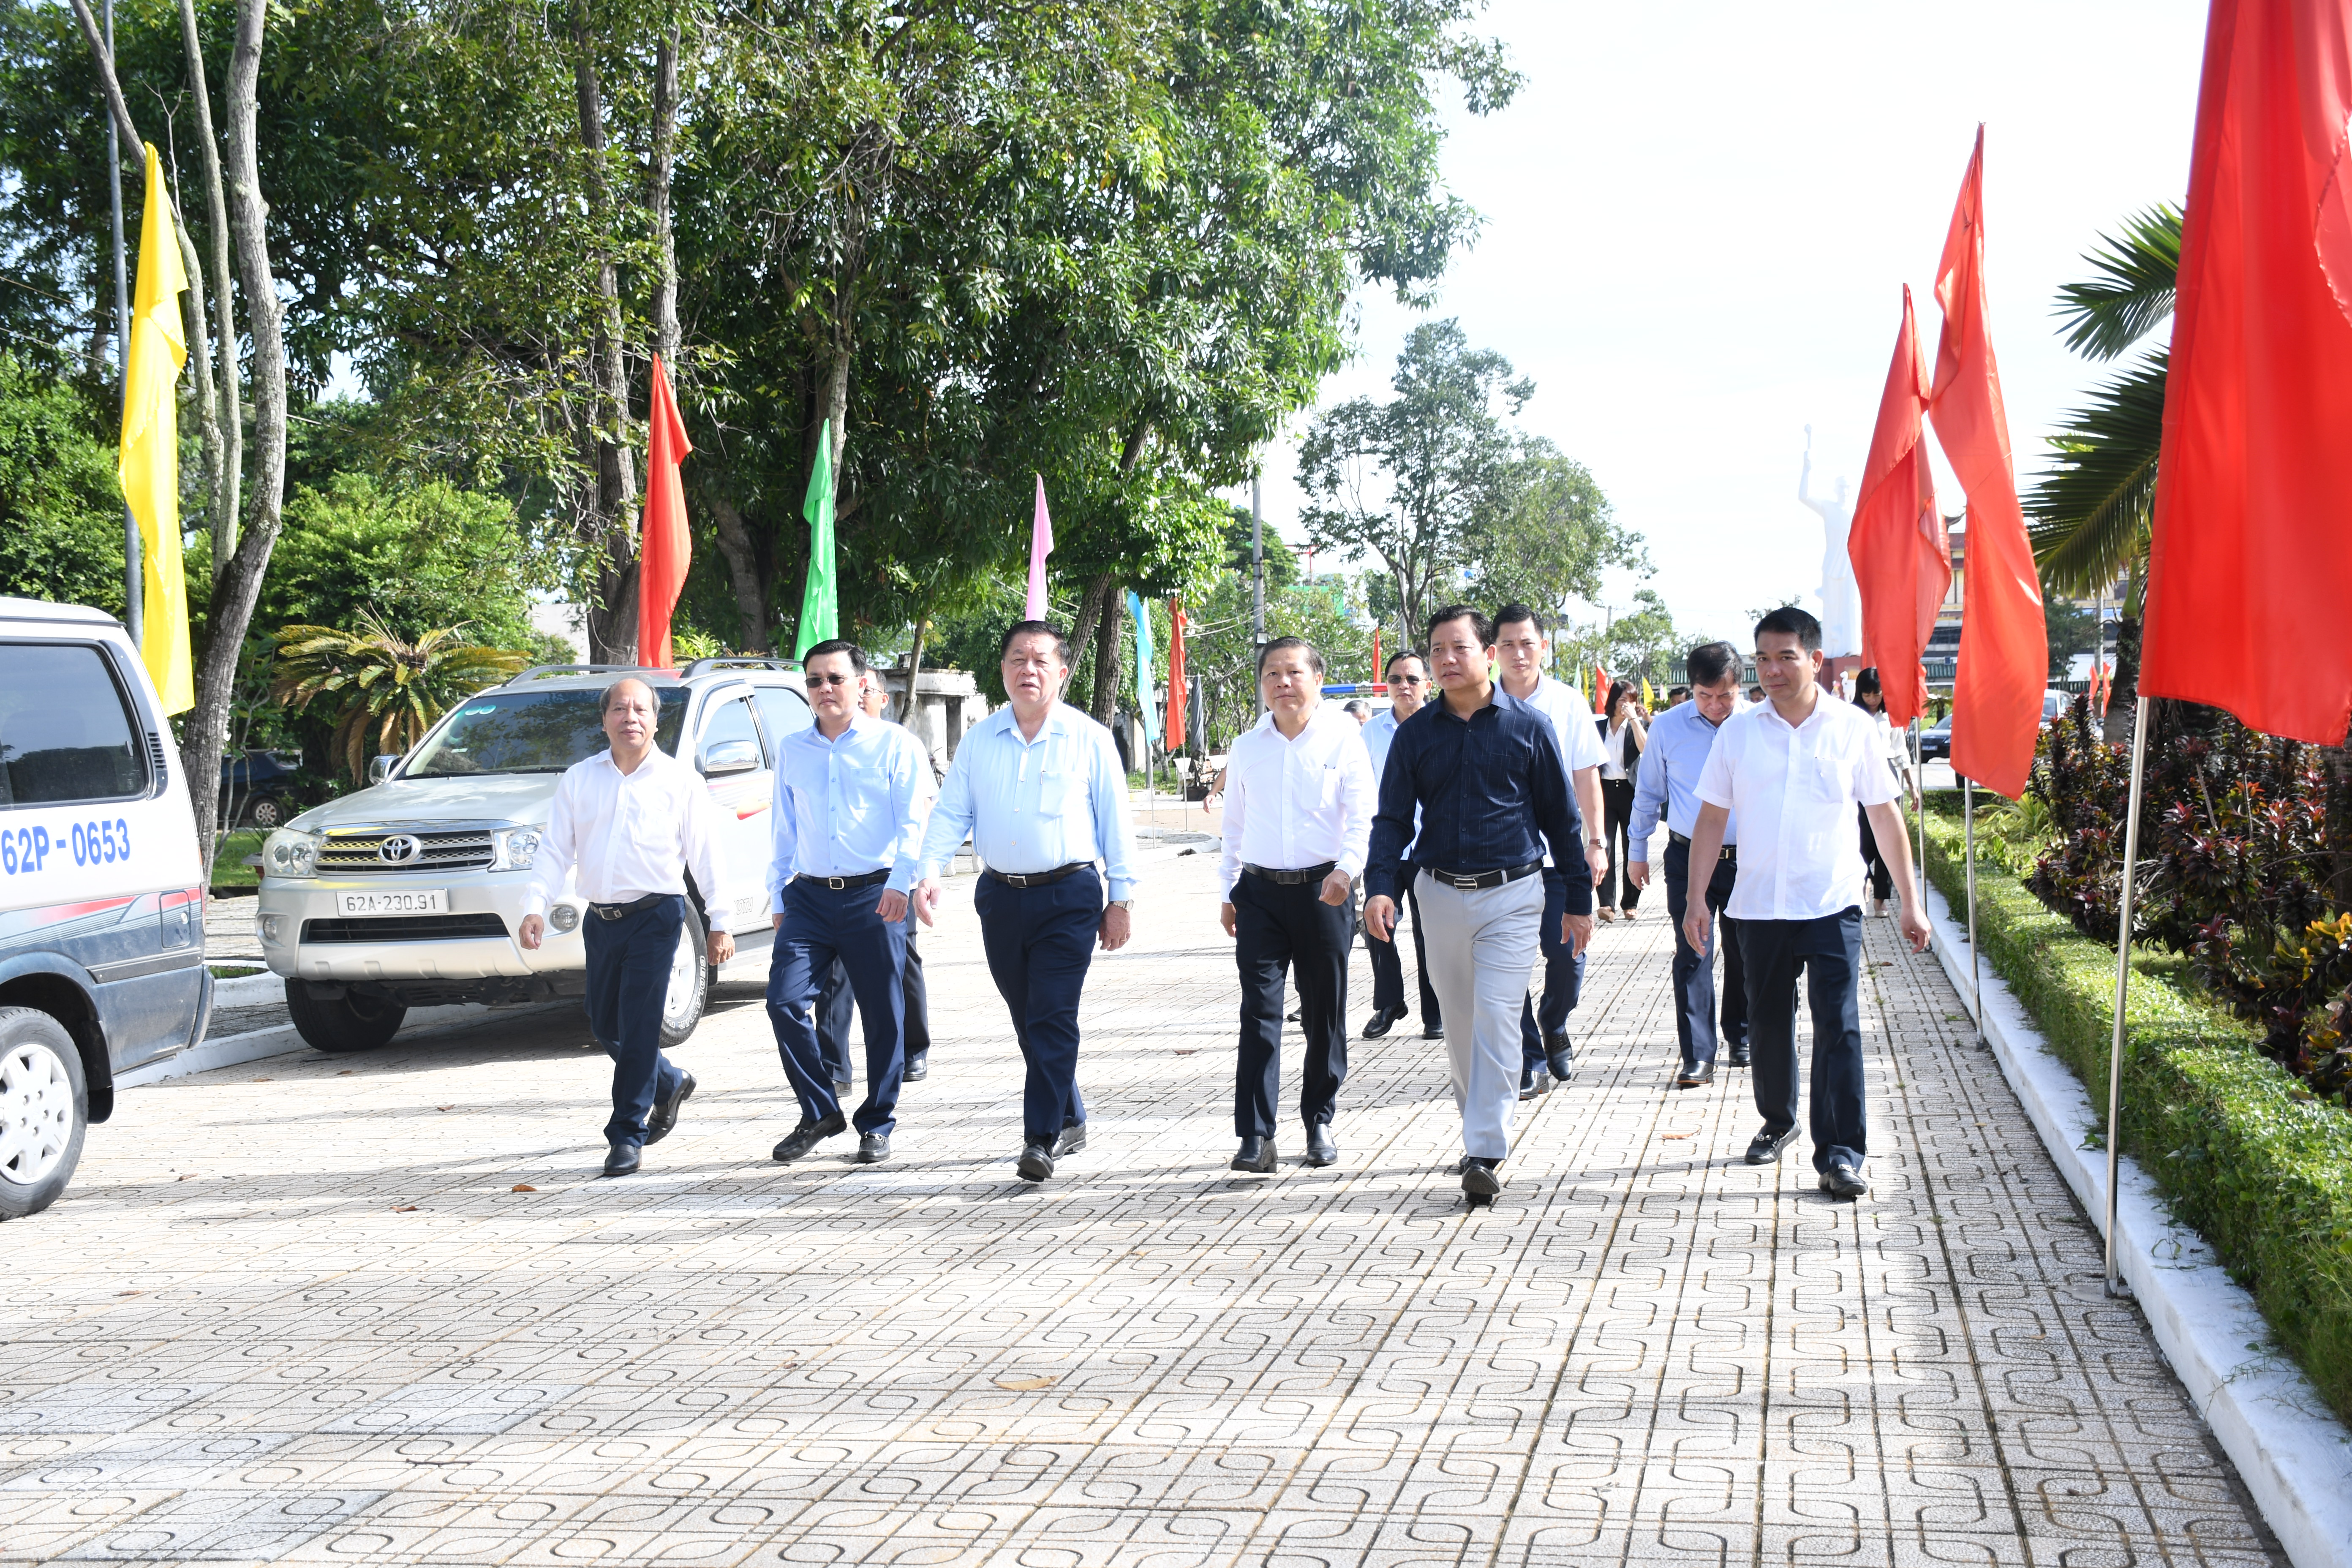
405,928
464,849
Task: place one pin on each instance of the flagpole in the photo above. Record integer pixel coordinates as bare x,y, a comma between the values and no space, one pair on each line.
2115,1286
1976,963
1919,806
133,582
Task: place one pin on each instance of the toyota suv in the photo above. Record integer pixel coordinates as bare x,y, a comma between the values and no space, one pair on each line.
409,893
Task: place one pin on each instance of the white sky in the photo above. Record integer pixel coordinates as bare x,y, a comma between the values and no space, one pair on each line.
1697,231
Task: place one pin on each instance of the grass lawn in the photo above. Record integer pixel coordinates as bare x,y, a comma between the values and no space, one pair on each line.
230,873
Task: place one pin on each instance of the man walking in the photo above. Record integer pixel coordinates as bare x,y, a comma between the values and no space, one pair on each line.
848,822
1795,768
1037,784
1408,678
1522,650
1484,771
632,820
1679,743
1298,820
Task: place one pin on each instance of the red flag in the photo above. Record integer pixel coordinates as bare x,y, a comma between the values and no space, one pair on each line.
1380,676
2250,563
2004,645
1599,688
1902,561
1174,739
667,547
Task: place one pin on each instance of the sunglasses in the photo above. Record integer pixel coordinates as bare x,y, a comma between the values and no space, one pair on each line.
832,680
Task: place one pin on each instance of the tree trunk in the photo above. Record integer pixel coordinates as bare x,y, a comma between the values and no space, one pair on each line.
1106,693
1090,611
2125,695
228,498
912,717
742,556
612,615
200,347
661,169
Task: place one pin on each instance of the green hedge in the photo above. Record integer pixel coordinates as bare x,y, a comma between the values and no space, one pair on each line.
2243,1152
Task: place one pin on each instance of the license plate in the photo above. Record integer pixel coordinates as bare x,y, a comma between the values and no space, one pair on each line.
409,901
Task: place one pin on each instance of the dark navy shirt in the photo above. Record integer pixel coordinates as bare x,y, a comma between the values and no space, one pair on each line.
1491,790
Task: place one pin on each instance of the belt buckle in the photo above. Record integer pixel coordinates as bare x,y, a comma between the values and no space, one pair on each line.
836,883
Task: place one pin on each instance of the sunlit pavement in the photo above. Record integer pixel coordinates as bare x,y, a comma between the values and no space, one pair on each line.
382,1310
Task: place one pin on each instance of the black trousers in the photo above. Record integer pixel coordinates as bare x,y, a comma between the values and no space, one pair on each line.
628,979
1882,879
1617,891
1695,1009
1279,928
1040,941
1388,967
1563,976
824,926
832,1011
1829,950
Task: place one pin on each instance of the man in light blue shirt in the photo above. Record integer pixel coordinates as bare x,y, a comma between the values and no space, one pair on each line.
1038,786
848,825
1408,678
1680,740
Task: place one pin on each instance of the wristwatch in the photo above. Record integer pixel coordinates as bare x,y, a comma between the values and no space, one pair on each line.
1128,904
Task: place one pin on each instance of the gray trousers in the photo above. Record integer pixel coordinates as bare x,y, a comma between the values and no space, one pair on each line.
1480,946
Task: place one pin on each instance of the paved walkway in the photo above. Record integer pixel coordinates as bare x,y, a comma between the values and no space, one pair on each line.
378,1310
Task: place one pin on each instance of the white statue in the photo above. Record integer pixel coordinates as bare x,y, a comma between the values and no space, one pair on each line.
1841,595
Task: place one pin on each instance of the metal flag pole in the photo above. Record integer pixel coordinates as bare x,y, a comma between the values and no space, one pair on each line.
1976,963
1920,805
133,566
2115,1286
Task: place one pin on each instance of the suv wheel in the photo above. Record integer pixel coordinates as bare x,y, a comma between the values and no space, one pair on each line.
43,1111
349,1023
689,981
268,812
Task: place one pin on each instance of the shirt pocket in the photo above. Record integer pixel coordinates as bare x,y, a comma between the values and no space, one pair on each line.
1061,787
1825,779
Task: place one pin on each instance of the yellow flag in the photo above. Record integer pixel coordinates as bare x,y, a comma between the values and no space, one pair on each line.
1648,700
150,463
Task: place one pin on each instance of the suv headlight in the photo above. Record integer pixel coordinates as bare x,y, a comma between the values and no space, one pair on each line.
514,848
291,853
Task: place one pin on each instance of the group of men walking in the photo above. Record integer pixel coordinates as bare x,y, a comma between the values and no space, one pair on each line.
1477,806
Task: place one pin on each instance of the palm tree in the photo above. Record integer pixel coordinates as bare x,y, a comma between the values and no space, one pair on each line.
2089,515
385,690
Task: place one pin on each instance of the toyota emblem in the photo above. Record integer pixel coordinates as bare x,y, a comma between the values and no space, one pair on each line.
400,849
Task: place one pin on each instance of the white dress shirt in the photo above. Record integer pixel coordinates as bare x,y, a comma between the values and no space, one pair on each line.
1291,803
629,835
1614,750
1036,806
848,806
1795,791
1579,738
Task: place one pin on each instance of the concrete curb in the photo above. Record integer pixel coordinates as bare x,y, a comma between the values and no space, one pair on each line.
252,1045
2294,1457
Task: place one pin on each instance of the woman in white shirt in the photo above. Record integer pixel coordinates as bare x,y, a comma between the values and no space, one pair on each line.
1623,736
1871,697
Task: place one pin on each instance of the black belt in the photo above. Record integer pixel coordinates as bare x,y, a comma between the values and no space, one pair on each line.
615,911
1729,851
1040,878
1472,882
1292,879
839,884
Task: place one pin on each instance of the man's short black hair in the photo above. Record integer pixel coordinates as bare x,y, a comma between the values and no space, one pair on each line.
1512,613
1710,662
1034,628
1355,705
1676,693
1792,622
1283,645
831,646
1480,626
1411,653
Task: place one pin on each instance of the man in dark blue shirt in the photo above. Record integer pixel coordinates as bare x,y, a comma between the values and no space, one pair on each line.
1484,769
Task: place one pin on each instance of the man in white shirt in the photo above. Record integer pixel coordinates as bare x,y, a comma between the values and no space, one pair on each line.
1038,786
1521,651
632,820
1408,678
848,822
1300,798
1794,768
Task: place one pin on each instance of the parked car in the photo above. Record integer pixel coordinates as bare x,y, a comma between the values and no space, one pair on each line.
101,890
1936,739
259,786
409,893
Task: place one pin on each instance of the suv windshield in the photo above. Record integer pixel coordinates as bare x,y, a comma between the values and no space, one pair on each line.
531,733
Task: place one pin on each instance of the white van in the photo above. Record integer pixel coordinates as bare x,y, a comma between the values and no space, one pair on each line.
101,901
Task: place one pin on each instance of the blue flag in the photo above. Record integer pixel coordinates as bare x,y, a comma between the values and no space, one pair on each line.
1142,658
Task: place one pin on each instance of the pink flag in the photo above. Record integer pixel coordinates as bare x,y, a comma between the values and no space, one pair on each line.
1041,545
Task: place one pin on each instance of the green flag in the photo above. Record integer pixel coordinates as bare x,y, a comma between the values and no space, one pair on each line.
821,603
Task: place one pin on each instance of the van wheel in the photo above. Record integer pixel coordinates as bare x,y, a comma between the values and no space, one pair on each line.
689,981
349,1023
43,1111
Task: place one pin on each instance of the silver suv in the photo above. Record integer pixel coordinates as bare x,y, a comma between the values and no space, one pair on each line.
408,893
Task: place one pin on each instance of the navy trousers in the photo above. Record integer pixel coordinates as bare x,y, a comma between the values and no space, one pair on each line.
1278,928
833,1004
1040,941
628,979
1563,974
1829,950
823,925
1388,964
1695,1009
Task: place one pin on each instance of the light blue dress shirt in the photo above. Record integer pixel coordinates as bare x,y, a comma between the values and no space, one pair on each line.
1035,806
848,808
1680,739
1380,734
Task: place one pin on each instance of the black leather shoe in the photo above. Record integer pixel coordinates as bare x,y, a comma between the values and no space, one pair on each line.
622,1158
1533,1080
1764,1148
841,1087
808,1135
1072,1138
1256,1156
873,1148
1739,1056
1695,1074
1480,1177
664,1116
1321,1149
1382,1020
1560,1055
1843,1181
1037,1162
1432,1031
917,1068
